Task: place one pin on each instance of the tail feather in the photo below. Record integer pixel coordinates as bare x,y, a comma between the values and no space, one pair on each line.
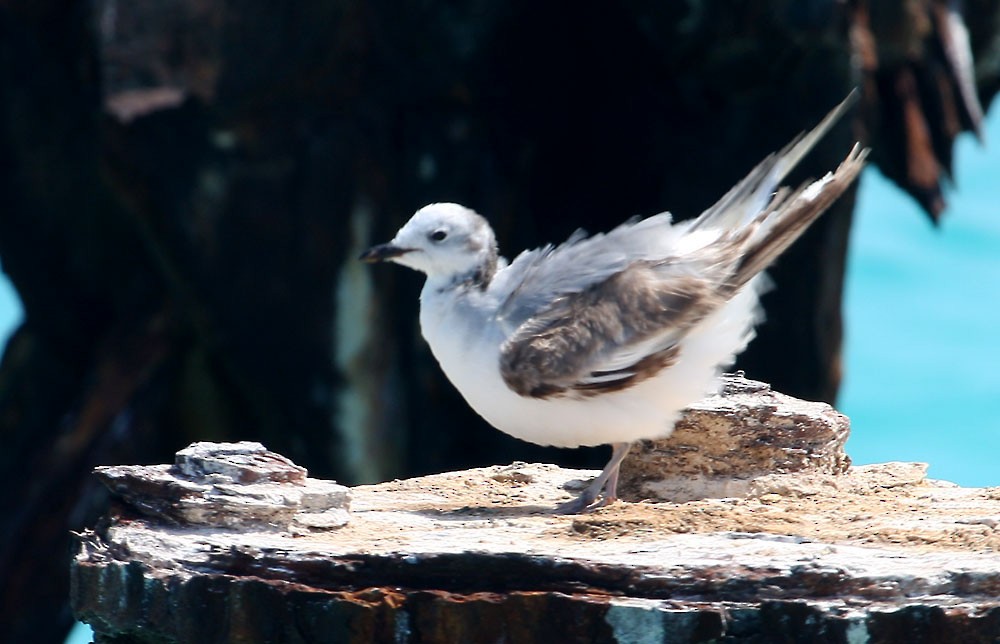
789,215
751,195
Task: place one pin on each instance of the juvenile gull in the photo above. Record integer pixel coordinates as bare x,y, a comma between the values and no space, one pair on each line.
606,339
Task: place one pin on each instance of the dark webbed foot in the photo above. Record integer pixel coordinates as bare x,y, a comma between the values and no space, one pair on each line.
603,490
583,503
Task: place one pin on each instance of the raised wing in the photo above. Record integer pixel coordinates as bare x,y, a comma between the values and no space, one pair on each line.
538,277
600,314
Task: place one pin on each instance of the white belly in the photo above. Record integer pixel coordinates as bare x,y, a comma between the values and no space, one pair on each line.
469,357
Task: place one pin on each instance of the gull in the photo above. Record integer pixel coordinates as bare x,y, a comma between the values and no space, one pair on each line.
607,339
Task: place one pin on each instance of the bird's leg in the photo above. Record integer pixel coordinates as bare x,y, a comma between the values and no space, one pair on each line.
606,482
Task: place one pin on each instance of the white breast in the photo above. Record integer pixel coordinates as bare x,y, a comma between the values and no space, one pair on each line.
466,340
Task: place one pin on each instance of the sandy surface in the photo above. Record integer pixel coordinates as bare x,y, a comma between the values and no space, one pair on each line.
891,503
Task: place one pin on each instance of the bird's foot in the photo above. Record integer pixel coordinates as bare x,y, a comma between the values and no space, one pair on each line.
603,490
585,503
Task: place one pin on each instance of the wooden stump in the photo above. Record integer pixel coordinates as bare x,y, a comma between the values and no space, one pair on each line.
234,543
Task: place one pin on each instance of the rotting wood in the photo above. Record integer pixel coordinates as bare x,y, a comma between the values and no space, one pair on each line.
874,553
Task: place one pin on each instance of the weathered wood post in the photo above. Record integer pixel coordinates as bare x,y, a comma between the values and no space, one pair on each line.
771,536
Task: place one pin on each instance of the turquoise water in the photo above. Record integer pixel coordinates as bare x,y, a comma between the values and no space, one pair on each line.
11,312
922,377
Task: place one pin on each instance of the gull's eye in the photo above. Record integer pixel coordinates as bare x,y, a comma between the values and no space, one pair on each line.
437,235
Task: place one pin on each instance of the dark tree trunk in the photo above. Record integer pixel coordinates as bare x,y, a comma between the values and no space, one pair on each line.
185,186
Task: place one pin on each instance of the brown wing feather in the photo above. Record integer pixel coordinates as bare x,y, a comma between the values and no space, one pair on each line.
561,348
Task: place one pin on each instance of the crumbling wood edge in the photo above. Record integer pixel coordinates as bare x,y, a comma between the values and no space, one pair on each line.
233,543
128,601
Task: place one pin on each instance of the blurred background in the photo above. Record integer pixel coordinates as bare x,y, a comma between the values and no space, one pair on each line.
185,187
922,309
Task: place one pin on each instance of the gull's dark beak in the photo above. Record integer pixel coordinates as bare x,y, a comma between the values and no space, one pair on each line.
382,252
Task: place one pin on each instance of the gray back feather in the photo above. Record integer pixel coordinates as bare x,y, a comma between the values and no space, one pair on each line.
537,278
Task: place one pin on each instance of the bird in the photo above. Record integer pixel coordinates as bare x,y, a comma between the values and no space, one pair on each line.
606,339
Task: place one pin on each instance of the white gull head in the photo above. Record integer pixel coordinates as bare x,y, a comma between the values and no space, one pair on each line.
446,241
